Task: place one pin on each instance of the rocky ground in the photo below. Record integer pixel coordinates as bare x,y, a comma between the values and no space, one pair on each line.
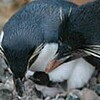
91,91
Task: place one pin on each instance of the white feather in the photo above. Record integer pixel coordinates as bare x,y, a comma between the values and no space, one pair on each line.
1,38
81,74
77,72
62,72
28,73
46,54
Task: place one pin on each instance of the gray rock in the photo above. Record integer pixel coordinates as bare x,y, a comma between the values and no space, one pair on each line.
5,94
7,85
93,81
58,99
74,95
3,66
89,95
98,89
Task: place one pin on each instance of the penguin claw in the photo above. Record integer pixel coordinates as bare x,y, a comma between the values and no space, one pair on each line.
19,87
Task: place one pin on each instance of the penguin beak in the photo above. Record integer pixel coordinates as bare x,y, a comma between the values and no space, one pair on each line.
19,87
55,63
69,57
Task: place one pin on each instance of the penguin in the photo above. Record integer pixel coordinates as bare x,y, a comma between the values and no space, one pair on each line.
32,28
68,76
80,38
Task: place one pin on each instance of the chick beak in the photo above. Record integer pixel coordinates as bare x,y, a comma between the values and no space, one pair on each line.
55,63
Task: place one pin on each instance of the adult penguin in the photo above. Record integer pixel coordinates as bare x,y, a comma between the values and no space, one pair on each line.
32,28
81,36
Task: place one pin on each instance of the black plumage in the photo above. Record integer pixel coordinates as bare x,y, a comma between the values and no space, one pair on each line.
35,24
74,29
82,34
40,78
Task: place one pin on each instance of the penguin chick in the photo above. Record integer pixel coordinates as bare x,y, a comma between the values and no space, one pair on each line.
44,85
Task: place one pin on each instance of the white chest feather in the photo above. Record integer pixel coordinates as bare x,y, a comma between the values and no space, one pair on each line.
77,72
46,54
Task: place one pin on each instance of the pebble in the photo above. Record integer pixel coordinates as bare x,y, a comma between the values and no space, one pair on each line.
5,94
74,95
89,95
98,89
85,94
72,98
93,81
59,99
7,85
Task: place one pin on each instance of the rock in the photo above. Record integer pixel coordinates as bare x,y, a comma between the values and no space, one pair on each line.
95,74
74,95
7,85
5,94
89,95
57,99
29,92
3,66
85,94
93,81
94,85
98,89
60,99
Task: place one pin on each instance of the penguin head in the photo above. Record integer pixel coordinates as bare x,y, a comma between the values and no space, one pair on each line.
40,78
67,51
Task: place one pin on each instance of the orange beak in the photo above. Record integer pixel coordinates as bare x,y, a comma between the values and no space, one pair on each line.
54,64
